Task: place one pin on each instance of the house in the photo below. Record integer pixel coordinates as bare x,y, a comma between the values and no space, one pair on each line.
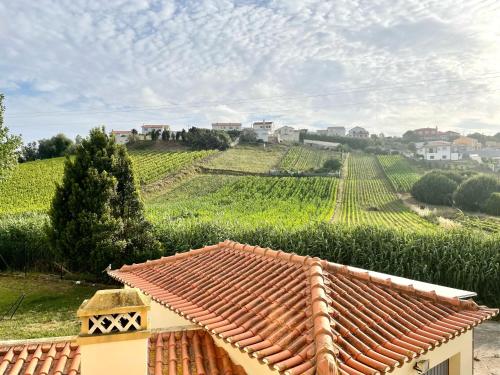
226,126
121,136
288,134
321,144
438,150
467,144
333,131
147,129
238,309
433,134
263,130
358,132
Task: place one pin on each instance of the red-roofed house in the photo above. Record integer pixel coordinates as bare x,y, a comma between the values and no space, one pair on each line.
239,309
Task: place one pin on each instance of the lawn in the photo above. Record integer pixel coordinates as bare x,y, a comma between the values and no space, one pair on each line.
256,159
48,309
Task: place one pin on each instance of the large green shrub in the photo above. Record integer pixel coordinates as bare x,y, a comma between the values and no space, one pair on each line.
97,216
492,204
434,188
472,194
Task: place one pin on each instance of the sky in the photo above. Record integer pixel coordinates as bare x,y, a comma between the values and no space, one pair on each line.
388,65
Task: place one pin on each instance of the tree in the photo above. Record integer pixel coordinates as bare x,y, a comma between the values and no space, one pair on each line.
29,152
97,215
155,134
411,136
54,147
472,193
8,145
249,136
207,139
165,135
492,204
434,188
332,165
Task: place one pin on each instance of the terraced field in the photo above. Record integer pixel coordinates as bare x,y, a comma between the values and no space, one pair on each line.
369,198
32,185
252,159
301,158
399,171
247,201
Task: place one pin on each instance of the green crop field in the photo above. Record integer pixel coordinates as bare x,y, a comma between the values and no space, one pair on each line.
368,198
256,159
300,158
31,185
247,201
399,171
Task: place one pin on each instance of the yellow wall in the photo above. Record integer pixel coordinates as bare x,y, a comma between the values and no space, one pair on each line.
458,351
114,357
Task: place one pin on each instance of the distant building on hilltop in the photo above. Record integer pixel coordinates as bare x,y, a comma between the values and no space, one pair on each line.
358,132
147,129
333,131
467,144
433,134
288,134
226,126
264,130
438,150
121,137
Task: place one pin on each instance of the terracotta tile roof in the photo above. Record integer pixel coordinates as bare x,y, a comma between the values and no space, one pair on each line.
53,358
302,315
188,352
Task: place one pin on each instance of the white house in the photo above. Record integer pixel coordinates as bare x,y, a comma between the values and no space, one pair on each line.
121,136
226,126
288,134
358,132
263,130
147,129
333,131
438,150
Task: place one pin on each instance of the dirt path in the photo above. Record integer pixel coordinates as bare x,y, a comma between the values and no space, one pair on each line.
487,349
340,192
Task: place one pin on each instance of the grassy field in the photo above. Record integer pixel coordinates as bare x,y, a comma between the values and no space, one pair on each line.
48,309
368,198
31,186
257,159
248,200
400,172
300,158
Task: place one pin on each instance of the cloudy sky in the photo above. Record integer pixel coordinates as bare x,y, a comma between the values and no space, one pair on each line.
389,65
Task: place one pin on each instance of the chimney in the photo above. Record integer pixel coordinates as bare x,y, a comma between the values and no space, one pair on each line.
114,333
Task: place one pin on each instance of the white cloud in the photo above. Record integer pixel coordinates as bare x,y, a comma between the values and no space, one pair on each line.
90,63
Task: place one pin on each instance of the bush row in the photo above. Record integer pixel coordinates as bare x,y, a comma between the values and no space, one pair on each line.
459,258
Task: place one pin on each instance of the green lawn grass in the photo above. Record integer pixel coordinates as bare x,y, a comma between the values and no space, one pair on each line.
48,309
246,158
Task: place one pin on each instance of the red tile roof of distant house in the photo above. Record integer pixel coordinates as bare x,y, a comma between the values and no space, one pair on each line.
179,352
47,358
303,315
170,353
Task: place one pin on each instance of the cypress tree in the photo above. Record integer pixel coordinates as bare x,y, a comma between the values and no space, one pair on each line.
97,215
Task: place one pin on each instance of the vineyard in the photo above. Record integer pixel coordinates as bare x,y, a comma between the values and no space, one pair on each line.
31,185
300,158
247,201
254,159
399,171
152,165
368,198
